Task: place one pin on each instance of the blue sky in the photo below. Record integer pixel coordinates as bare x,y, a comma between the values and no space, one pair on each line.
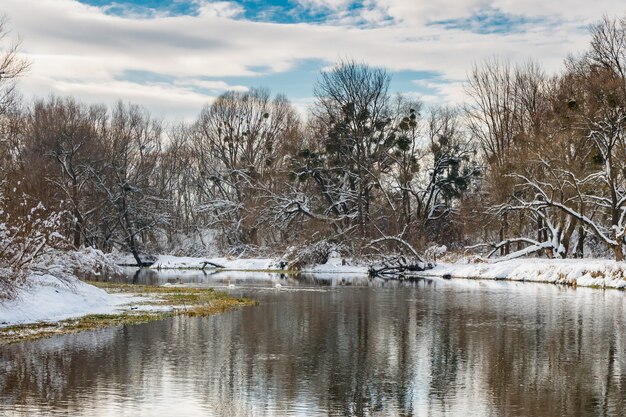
277,11
175,56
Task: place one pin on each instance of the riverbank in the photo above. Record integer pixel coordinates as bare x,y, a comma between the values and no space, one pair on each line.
45,305
45,297
597,273
333,265
230,264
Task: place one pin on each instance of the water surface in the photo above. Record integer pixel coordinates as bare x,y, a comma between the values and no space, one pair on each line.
329,345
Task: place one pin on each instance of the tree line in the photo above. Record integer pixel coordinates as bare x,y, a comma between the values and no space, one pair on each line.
531,164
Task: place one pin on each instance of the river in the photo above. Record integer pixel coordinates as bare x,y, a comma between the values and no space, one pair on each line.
329,345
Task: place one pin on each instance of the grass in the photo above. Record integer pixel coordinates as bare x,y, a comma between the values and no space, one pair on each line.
176,300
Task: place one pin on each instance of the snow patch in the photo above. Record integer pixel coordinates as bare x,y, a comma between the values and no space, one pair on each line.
337,265
49,298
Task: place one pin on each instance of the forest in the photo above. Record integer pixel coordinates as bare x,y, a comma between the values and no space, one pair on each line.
533,164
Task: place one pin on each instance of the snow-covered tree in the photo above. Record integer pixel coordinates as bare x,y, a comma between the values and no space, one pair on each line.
572,176
24,238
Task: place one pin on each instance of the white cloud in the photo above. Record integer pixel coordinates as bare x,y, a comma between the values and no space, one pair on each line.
319,4
225,9
78,49
583,11
211,85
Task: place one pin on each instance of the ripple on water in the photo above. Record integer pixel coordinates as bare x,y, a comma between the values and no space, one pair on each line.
340,347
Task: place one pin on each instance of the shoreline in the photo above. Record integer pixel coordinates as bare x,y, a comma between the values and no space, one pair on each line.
590,273
144,303
46,305
586,272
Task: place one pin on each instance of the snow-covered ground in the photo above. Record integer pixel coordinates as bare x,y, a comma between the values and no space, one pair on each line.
580,272
44,297
336,265
333,265
48,298
235,264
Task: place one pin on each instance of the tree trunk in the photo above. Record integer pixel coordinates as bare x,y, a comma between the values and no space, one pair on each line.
619,248
78,219
504,231
78,229
520,223
567,236
133,249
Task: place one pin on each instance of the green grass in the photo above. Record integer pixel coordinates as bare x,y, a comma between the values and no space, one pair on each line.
192,302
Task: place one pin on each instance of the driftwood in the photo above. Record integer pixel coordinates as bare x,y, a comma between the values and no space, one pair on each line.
138,265
213,264
204,264
397,267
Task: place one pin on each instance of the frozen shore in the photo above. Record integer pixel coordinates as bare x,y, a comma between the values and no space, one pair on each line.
602,273
578,272
46,298
333,266
234,264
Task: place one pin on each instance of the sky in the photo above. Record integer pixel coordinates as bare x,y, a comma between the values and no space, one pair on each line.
173,57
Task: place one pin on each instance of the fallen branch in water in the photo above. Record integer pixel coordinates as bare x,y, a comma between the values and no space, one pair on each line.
213,264
398,266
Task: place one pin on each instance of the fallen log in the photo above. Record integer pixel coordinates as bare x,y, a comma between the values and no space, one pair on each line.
213,264
398,267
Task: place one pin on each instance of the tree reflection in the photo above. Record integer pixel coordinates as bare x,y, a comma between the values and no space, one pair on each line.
431,350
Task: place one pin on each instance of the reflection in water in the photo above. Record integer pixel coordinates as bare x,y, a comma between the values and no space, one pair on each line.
348,348
256,279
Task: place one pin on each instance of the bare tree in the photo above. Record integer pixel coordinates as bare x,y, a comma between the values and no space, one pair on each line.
608,47
127,178
450,168
239,146
12,66
68,133
505,112
352,112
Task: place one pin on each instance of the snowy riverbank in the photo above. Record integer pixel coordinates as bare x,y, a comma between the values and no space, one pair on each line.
233,264
334,265
579,272
44,297
48,298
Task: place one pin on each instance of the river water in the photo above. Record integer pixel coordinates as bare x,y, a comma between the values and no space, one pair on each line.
340,346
